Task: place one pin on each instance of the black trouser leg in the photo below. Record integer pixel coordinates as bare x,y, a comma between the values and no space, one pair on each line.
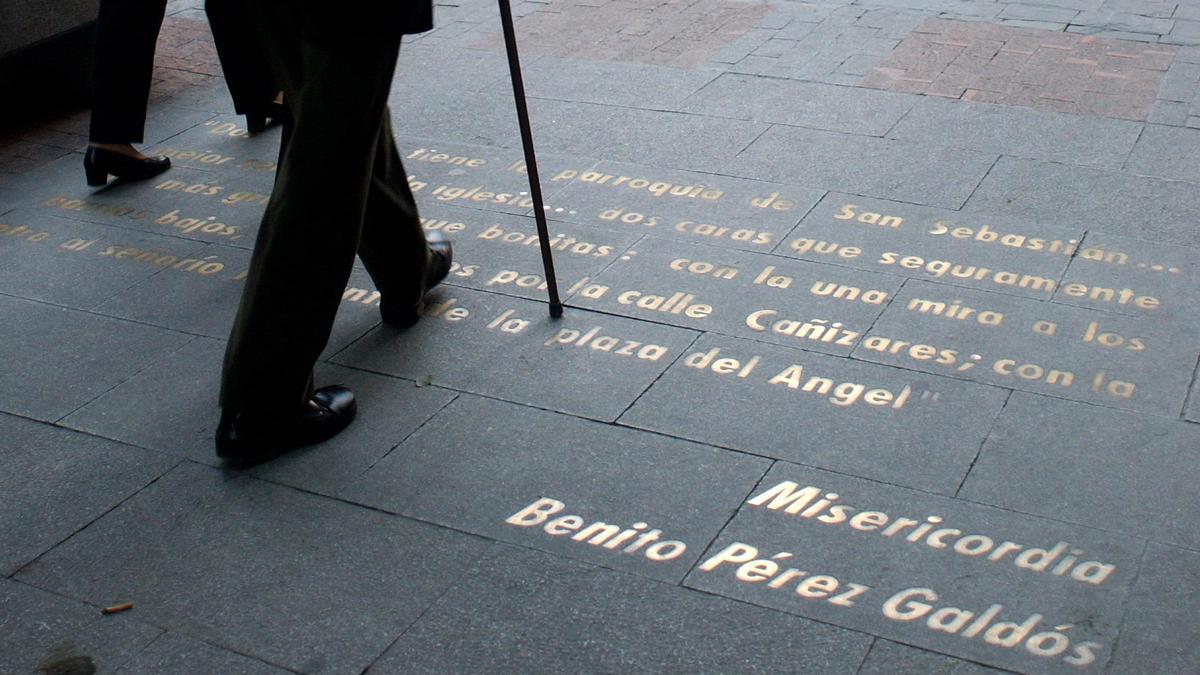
336,92
393,247
247,73
126,32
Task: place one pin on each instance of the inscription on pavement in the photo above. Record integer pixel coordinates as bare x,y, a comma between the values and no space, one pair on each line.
994,586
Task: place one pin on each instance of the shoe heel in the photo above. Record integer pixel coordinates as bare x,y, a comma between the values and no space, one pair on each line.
96,176
256,123
400,318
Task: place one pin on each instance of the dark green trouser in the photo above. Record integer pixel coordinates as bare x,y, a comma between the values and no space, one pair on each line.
340,190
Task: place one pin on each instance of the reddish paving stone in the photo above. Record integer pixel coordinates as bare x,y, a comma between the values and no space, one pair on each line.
1051,70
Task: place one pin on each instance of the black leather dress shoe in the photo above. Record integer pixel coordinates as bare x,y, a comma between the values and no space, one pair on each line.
244,439
99,164
441,256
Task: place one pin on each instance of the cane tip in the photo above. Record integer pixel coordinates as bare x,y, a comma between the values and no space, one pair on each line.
556,310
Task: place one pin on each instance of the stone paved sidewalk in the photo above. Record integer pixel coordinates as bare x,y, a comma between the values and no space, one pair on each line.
878,358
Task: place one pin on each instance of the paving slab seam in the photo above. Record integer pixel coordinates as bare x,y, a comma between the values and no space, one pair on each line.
109,317
1119,533
956,657
1191,392
1116,645
139,371
982,443
901,118
824,622
115,226
122,291
979,182
414,431
161,630
866,655
1129,155
199,638
433,603
890,300
39,556
747,147
609,265
724,526
750,453
1009,389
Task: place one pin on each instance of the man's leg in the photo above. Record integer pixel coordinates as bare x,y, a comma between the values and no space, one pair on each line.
336,91
393,246
247,74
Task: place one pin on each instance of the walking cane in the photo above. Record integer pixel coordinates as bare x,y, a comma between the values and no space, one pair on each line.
535,186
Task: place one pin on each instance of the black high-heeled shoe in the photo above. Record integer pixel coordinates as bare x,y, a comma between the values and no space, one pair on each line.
440,259
99,164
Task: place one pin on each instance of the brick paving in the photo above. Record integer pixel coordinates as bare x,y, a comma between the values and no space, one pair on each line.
1084,75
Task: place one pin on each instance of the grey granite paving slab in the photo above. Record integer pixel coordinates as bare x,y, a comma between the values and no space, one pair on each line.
474,117
630,85
76,264
173,409
190,203
1191,411
823,411
991,586
658,137
1037,13
43,630
586,364
696,207
501,253
164,120
59,359
1018,131
1133,22
1046,348
212,98
423,68
1157,8
54,178
524,611
806,104
1160,633
1183,33
177,654
1169,152
529,469
992,252
205,301
222,144
1066,461
479,177
223,147
1174,113
202,302
744,294
887,658
1105,201
908,172
1132,276
55,482
291,578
